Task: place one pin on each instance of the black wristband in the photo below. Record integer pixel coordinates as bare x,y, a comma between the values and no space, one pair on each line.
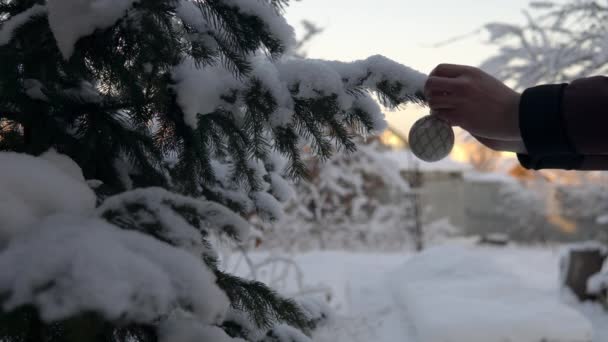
541,122
560,162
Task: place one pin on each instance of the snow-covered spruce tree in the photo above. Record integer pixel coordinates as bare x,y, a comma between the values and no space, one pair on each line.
354,201
560,41
178,113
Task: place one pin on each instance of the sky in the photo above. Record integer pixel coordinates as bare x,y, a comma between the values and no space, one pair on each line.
403,30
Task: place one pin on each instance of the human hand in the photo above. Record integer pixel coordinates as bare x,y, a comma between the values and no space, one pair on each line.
477,102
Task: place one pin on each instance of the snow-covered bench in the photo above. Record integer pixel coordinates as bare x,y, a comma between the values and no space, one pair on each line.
460,294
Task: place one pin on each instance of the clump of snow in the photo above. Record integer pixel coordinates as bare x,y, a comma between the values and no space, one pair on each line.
281,189
276,24
370,106
286,333
32,189
454,294
8,27
191,15
69,265
64,163
158,209
160,202
267,73
267,205
370,72
316,310
228,189
33,89
188,329
597,283
85,92
312,78
71,20
382,68
200,90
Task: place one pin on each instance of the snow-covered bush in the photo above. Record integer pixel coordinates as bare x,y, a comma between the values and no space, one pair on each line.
179,113
524,213
587,205
355,200
519,211
585,202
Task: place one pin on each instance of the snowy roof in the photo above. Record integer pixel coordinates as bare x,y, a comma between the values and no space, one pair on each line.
407,161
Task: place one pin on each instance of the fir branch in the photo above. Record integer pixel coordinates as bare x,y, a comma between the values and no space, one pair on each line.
260,103
264,306
287,142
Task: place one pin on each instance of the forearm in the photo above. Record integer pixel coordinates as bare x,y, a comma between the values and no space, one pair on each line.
585,113
564,126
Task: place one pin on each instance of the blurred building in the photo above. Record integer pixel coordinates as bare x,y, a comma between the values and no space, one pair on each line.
441,186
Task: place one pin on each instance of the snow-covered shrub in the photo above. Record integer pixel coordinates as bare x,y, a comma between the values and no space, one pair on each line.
176,112
355,200
519,211
524,212
586,204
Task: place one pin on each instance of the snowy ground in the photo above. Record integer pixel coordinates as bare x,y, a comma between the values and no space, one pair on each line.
370,291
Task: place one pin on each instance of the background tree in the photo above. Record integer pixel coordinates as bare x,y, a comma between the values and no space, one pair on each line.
559,42
311,30
354,201
176,113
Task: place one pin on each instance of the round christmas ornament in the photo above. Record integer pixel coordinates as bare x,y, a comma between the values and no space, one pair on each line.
431,138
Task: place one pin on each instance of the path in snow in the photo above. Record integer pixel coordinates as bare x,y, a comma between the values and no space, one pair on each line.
359,282
369,298
477,294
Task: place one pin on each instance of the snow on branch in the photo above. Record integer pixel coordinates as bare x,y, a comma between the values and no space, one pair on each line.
70,265
27,198
204,90
9,26
71,20
174,218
